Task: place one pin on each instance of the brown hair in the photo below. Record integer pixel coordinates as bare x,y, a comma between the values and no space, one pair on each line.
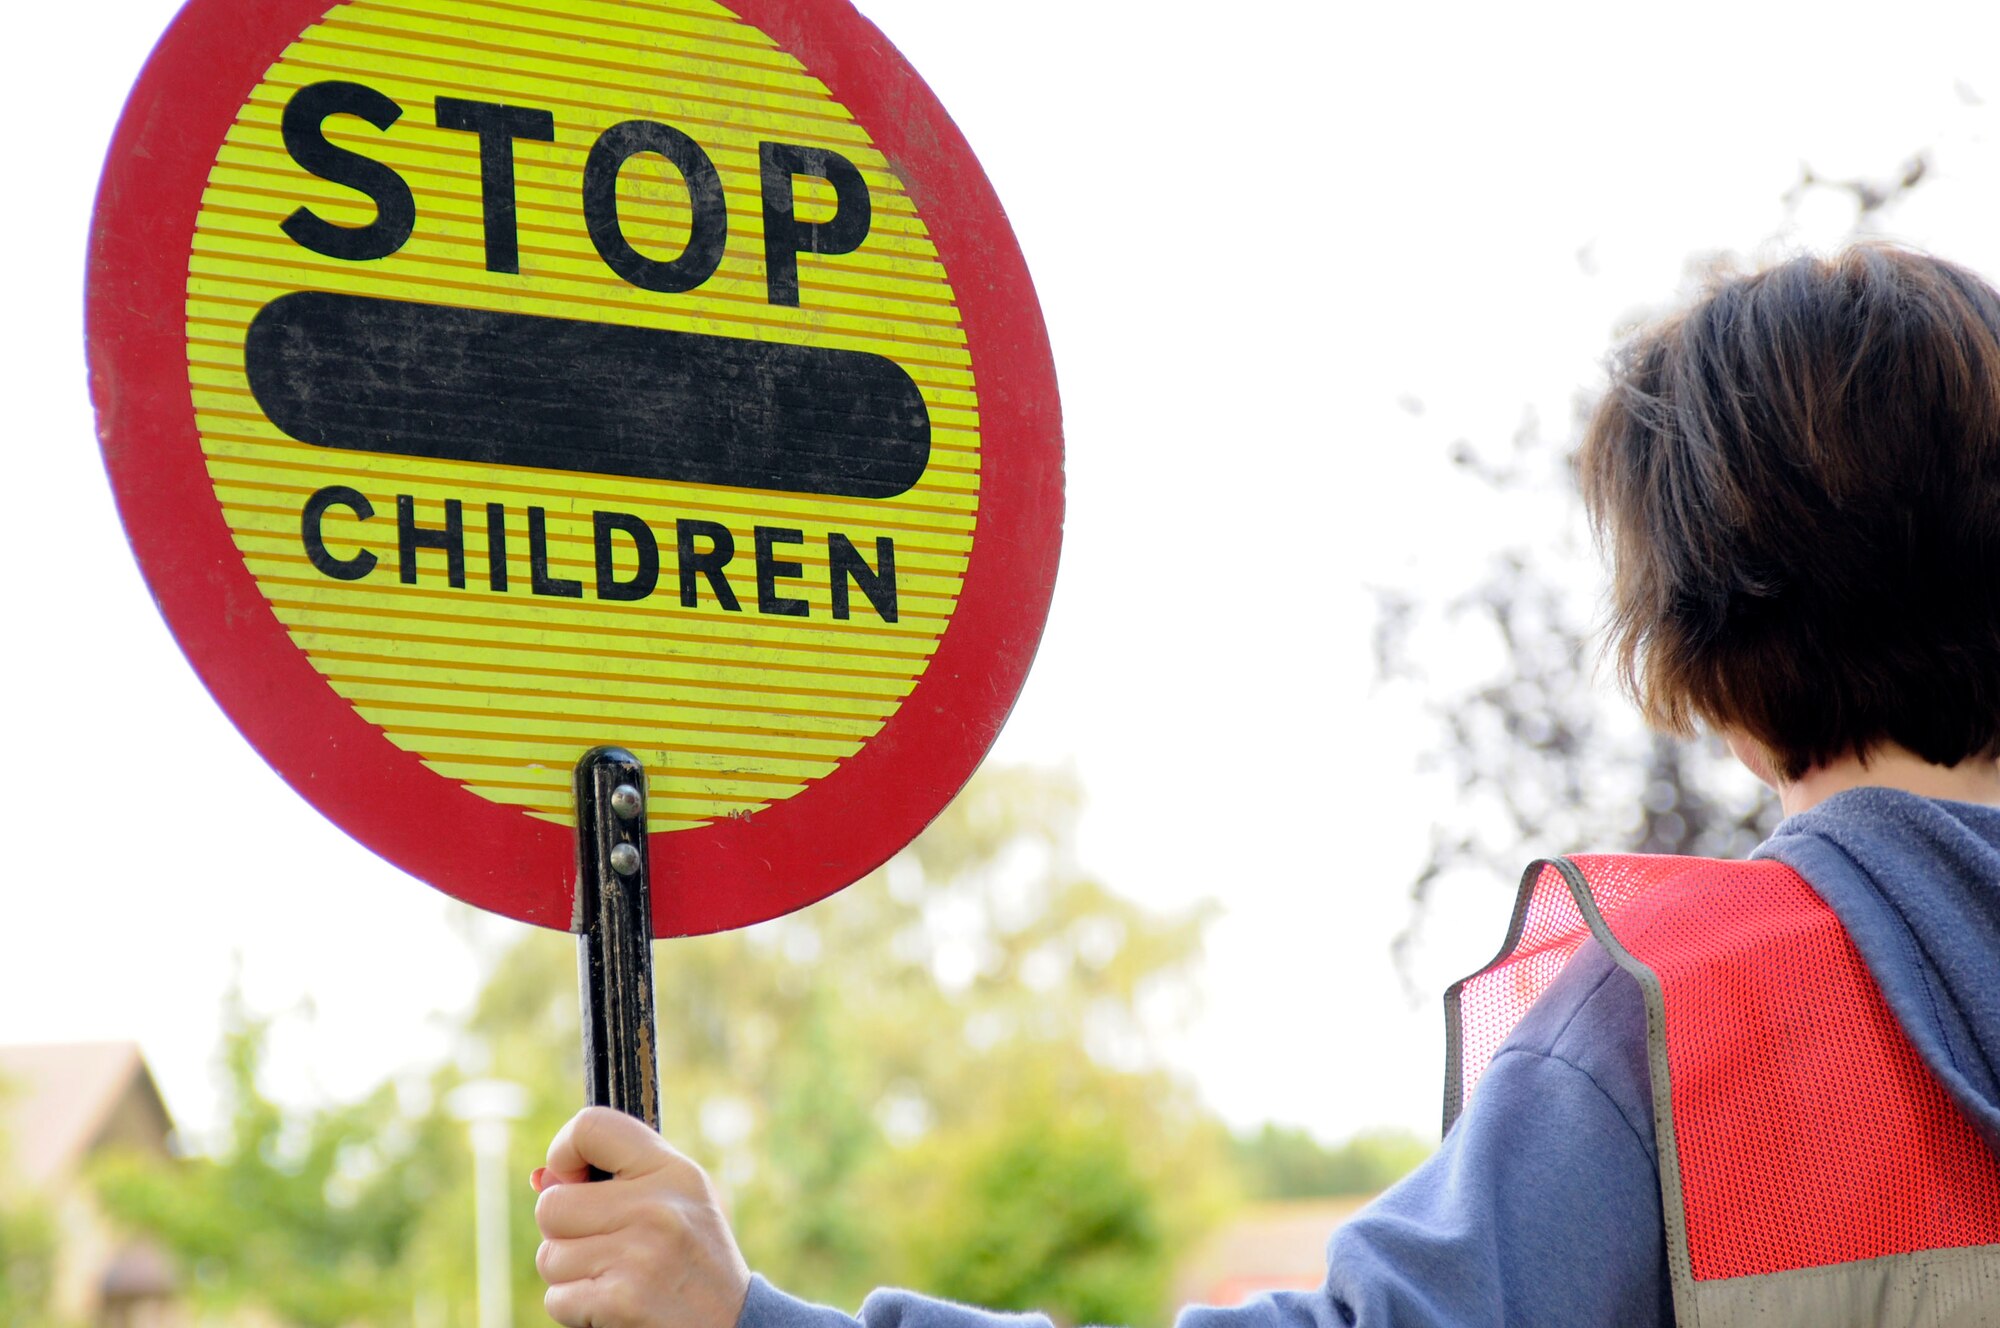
1798,482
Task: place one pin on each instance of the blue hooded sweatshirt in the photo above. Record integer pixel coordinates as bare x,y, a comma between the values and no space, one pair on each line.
1543,1203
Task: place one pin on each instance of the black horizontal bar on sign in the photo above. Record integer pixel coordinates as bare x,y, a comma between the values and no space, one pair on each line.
367,374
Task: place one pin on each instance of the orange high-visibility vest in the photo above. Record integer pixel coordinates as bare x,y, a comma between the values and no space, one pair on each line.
1812,1168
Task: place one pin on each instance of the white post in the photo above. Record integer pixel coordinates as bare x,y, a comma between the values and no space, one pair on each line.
486,1105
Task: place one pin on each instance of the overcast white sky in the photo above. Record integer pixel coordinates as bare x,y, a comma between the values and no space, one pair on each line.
1256,231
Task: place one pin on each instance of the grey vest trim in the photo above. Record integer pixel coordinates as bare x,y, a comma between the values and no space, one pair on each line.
1454,1039
1932,1288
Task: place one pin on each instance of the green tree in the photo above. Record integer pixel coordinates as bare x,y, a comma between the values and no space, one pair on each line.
857,1075
1050,1208
304,1213
27,1264
946,1076
27,1250
27,1247
1284,1162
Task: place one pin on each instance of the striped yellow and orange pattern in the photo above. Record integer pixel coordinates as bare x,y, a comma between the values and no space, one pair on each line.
501,691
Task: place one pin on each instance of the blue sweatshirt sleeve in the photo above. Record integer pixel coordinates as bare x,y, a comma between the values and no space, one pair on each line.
1542,1206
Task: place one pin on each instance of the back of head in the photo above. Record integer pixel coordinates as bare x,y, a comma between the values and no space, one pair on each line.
1798,481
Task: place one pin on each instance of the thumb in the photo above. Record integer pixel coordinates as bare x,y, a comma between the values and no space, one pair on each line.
609,1140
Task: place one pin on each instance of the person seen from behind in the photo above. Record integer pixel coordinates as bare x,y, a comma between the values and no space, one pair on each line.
1759,1092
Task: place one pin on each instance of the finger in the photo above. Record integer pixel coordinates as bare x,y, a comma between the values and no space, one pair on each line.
568,1304
535,1181
574,1211
592,1303
609,1140
579,1260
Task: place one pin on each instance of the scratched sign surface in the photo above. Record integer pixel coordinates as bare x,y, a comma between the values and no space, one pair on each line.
553,374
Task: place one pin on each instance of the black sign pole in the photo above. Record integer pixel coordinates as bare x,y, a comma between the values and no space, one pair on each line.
614,926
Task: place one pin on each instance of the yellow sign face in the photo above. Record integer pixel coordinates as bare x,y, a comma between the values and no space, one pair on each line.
527,343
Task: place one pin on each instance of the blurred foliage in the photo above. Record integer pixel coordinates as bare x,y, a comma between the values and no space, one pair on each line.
27,1265
305,1214
1047,1207
854,1074
1280,1162
948,1076
27,1251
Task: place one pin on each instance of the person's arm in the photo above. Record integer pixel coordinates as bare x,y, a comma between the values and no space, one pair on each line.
1542,1206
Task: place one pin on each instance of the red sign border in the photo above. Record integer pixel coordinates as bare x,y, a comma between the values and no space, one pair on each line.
724,875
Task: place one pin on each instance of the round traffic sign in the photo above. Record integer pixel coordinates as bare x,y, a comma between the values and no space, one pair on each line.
484,381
